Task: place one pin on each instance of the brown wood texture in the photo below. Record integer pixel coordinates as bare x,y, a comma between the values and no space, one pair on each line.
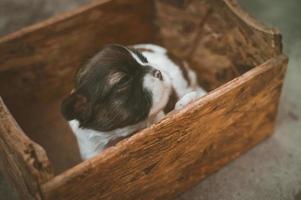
37,66
175,154
23,162
216,37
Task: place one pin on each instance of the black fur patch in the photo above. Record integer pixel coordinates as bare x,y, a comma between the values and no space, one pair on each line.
112,89
139,55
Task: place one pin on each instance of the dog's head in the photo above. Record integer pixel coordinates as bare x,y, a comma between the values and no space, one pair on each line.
118,87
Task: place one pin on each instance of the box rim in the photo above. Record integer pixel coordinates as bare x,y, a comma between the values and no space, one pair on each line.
231,4
52,20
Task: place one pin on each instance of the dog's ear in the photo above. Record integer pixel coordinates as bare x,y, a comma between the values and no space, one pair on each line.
73,106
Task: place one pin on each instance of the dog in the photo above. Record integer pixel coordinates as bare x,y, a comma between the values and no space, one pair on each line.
122,90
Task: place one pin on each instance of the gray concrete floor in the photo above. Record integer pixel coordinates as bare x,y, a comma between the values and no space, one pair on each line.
271,170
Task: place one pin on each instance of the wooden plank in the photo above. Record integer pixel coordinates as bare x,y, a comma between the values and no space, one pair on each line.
37,66
217,38
23,162
38,61
175,154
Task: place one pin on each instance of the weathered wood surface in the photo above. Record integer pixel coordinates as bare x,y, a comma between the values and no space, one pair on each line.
23,162
175,154
216,37
39,62
37,66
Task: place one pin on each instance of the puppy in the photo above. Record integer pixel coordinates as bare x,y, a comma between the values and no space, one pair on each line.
122,90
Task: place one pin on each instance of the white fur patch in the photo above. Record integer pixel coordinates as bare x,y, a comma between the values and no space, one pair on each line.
187,99
159,59
160,91
92,142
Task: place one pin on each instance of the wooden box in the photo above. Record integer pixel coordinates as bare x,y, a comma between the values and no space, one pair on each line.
237,59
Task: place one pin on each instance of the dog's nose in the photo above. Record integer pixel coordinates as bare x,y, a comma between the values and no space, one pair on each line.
157,74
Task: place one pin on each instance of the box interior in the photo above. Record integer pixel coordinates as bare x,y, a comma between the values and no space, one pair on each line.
213,41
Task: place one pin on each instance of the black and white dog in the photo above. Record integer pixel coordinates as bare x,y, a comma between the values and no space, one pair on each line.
125,89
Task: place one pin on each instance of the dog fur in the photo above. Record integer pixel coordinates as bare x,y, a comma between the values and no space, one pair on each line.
122,90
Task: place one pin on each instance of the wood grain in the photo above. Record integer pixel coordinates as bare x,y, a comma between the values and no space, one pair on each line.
218,38
175,154
23,162
37,66
40,60
215,37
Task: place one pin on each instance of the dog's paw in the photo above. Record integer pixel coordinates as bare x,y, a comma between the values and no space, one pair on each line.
188,98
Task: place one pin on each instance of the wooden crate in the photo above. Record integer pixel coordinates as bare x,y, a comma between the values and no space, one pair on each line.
238,60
